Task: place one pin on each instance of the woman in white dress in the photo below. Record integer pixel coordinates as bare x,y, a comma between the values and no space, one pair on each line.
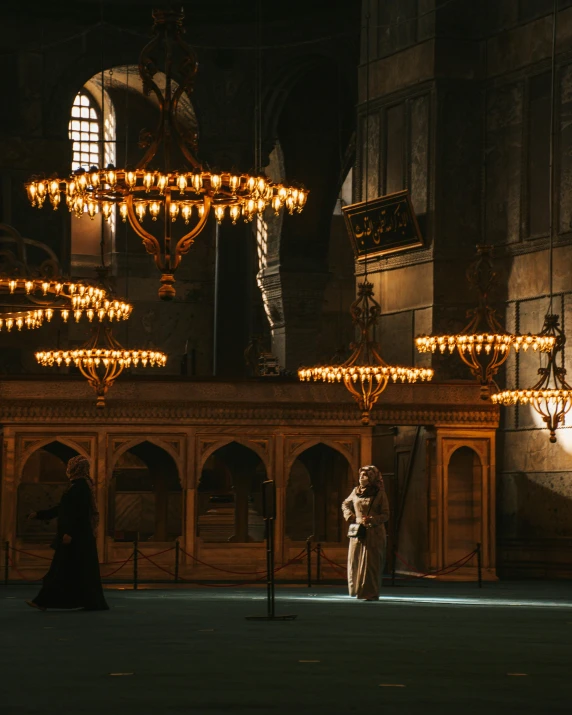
367,505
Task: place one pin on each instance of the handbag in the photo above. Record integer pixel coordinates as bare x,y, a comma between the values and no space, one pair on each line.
359,531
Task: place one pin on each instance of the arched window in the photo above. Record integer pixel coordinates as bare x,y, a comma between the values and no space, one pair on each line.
84,131
89,107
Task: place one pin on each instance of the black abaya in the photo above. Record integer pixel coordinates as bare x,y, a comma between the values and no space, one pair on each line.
73,580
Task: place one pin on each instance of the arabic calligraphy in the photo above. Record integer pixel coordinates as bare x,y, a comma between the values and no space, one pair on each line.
390,220
384,225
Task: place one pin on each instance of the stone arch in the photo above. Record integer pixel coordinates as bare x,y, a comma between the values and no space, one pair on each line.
229,494
145,494
41,443
317,484
128,445
296,448
313,143
212,446
464,501
48,458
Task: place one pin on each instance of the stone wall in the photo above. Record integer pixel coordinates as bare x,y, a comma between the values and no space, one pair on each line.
471,90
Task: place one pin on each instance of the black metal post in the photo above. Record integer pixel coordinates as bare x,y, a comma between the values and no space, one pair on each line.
270,565
269,511
479,565
394,520
135,554
309,560
6,562
177,556
318,562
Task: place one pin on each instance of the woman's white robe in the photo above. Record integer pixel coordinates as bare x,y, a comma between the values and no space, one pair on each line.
365,558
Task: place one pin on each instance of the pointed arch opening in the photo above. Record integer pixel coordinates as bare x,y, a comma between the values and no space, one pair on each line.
464,503
42,483
145,496
316,487
229,499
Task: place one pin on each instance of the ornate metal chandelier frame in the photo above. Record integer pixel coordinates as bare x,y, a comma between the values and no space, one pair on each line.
170,194
551,396
101,360
483,344
32,295
365,374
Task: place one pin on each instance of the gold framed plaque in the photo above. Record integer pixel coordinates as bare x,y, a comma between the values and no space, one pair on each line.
384,225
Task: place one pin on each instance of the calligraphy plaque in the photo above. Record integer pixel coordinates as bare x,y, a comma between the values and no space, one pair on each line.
384,225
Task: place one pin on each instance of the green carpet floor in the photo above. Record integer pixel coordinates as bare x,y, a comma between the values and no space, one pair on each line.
424,648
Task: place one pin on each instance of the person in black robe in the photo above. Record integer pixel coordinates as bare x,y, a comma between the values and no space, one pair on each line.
73,580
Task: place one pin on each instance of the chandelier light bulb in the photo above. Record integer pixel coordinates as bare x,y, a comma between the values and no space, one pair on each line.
219,213
186,211
162,182
174,210
197,182
154,209
234,212
148,181
141,210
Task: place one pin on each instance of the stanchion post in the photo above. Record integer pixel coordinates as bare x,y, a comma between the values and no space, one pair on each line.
177,554
6,562
479,565
309,560
135,554
318,562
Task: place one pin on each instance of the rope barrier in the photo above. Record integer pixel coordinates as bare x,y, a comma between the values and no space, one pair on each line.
29,553
451,568
333,563
446,570
218,568
245,573
25,578
123,563
201,583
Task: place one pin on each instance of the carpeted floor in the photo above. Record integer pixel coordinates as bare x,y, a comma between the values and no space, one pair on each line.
424,648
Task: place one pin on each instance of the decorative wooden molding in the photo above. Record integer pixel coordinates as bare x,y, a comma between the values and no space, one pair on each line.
295,446
171,444
151,412
207,446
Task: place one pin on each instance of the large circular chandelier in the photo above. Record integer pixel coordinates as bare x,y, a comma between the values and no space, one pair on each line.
31,295
145,195
101,360
551,396
483,344
365,374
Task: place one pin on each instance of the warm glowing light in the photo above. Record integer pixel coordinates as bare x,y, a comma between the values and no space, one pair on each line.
364,374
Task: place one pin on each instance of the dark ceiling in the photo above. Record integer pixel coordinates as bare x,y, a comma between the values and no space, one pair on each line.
204,12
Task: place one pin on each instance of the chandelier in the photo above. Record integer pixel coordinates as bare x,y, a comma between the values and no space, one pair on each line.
144,194
551,396
32,295
101,360
365,374
483,344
